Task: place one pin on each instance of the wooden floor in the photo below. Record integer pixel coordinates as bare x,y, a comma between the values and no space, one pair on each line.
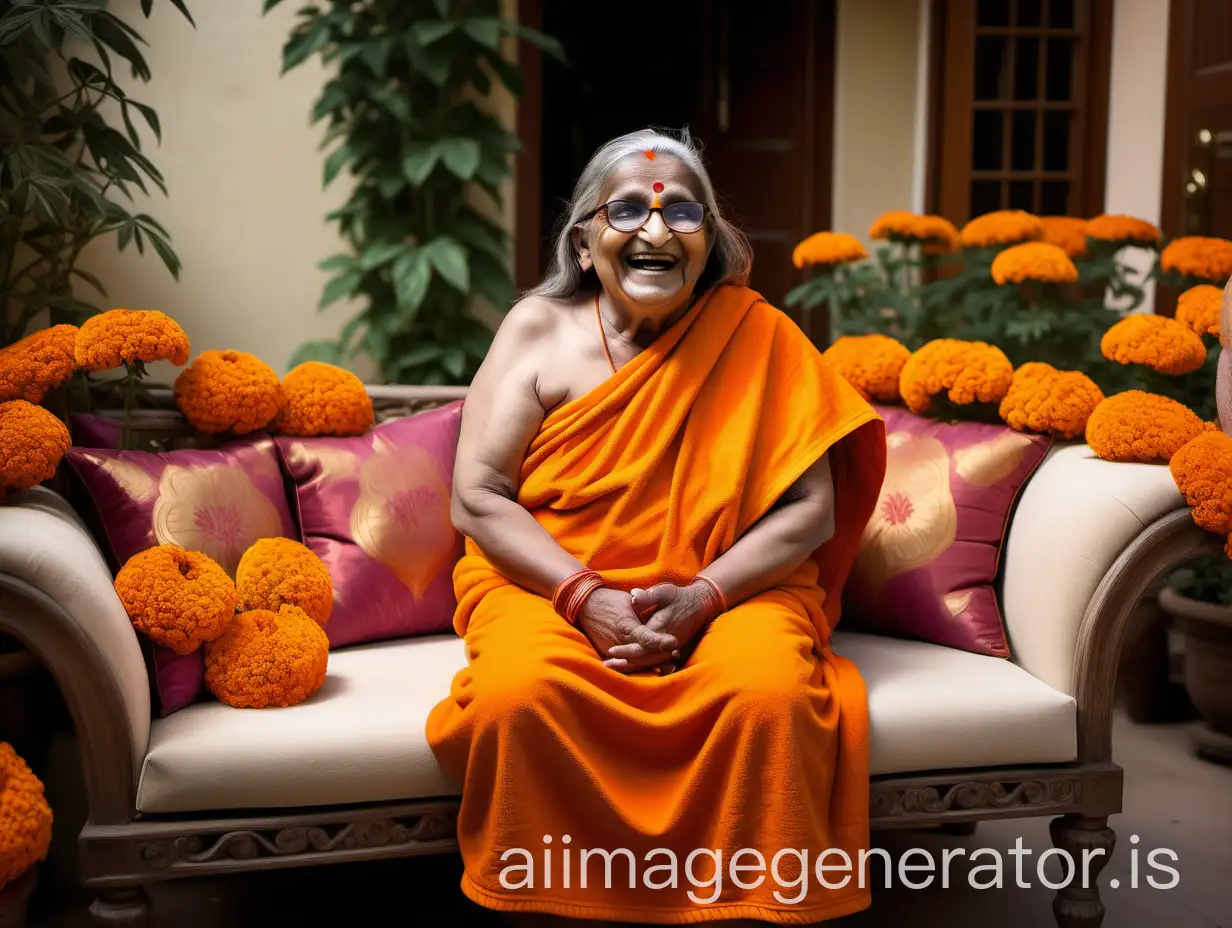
1173,800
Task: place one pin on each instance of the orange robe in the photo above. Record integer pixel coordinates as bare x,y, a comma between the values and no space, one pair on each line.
760,741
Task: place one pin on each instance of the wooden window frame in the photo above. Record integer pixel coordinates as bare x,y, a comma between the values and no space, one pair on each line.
952,105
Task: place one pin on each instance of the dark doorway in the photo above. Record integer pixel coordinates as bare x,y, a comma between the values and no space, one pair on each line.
755,88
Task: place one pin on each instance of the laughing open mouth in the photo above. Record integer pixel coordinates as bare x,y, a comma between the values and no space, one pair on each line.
651,262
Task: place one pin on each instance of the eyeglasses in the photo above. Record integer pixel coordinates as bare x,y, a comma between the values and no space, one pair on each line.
630,215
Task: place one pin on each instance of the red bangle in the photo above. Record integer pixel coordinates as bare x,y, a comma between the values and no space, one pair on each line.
715,594
571,593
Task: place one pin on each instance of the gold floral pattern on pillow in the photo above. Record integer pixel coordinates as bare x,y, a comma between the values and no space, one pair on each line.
991,462
915,519
958,601
215,509
402,516
132,479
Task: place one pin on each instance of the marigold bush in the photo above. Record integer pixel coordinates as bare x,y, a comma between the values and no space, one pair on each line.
1202,469
1069,233
1123,230
36,365
275,571
32,444
828,248
322,399
180,599
1037,261
25,817
1046,400
1198,256
121,336
1157,342
1003,227
1141,427
870,363
228,391
1198,307
966,371
267,659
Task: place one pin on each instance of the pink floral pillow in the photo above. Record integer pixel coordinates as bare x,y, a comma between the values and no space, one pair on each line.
218,502
929,556
375,509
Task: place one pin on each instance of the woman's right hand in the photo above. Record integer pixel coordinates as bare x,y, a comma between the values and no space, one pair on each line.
607,619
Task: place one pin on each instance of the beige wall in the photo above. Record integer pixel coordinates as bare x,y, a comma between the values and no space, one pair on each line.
1136,116
246,209
877,115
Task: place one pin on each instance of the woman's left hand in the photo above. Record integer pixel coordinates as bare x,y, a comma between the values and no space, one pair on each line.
679,611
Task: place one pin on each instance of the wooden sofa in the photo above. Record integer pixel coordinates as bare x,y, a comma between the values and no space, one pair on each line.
348,776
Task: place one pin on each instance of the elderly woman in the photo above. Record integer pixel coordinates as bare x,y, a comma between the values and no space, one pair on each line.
662,487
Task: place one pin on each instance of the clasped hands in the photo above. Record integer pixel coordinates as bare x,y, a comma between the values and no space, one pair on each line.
646,630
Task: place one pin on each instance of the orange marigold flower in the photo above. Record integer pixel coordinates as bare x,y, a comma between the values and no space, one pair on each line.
1037,261
1069,233
1046,400
1198,307
1123,230
228,391
36,365
322,399
1157,342
936,233
267,659
870,363
1003,227
828,248
180,599
118,336
32,443
967,371
275,571
1202,469
1199,256
1142,427
25,817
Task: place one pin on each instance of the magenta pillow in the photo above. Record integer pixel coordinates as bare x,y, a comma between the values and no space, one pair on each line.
218,502
375,509
91,431
928,558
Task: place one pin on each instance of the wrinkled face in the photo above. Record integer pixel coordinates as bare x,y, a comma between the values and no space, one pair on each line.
653,268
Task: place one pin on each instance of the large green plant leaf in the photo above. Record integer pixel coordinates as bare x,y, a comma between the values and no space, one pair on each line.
460,155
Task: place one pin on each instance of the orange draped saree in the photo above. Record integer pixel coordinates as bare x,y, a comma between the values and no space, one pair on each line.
597,795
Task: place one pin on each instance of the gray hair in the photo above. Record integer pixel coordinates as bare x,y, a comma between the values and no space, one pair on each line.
731,258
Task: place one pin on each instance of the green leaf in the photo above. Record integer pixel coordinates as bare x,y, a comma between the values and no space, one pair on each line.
449,259
428,31
179,5
411,274
164,252
349,330
269,5
381,254
420,354
454,361
436,65
341,286
442,6
151,118
491,280
486,30
304,43
544,43
115,35
338,262
337,160
376,52
396,101
332,98
419,163
91,280
460,155
325,351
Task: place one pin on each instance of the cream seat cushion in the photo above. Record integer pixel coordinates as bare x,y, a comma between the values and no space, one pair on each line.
361,738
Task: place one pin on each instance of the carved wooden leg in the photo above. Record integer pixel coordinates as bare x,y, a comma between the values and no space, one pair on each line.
121,908
1077,905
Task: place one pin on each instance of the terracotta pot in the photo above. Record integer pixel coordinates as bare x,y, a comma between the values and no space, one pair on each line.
1207,630
14,900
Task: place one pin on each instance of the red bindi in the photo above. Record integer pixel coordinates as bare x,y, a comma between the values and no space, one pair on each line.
657,187
649,153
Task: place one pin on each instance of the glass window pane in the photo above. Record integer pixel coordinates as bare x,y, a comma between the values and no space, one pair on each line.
993,13
1022,140
1022,195
985,197
990,60
1054,198
1059,76
1026,69
1030,12
987,135
1061,14
1057,125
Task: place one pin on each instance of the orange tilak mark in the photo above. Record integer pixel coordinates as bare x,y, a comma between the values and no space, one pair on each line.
657,187
649,153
